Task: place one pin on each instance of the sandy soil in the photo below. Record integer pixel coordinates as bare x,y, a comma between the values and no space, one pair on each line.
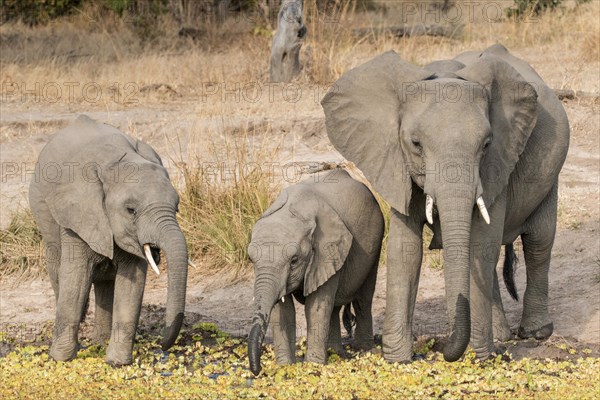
298,128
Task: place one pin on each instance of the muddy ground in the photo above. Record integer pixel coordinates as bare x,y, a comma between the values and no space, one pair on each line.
178,127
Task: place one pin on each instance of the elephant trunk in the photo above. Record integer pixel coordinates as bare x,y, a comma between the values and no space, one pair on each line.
266,295
455,206
172,242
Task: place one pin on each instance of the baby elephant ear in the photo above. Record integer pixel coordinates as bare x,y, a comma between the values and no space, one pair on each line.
146,151
79,206
362,114
277,204
331,243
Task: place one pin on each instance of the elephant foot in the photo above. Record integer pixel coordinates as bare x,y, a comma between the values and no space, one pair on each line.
117,363
362,345
63,354
498,351
502,332
117,358
542,333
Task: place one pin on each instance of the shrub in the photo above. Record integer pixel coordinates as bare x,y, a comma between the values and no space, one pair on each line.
33,12
536,7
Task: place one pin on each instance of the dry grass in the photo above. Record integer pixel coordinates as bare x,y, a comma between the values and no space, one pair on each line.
95,47
223,198
21,249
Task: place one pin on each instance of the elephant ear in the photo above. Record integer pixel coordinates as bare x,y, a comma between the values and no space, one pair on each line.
277,204
513,115
331,243
79,206
362,114
146,151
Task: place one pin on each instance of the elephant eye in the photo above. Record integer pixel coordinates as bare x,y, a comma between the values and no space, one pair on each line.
417,144
486,145
294,261
131,211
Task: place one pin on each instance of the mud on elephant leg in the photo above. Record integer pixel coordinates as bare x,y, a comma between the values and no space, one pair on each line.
485,243
129,290
363,334
501,328
334,339
283,324
538,240
104,292
402,283
319,307
75,280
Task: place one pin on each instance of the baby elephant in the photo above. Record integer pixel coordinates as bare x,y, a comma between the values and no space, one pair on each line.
319,241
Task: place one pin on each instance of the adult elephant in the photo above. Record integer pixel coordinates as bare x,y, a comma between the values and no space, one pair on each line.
105,207
482,129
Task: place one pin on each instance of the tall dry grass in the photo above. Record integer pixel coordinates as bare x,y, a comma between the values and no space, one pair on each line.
224,195
21,248
95,47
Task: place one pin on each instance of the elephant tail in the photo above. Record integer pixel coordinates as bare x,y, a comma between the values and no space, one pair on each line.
348,319
508,272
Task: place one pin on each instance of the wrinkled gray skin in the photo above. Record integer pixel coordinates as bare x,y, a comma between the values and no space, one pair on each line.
503,137
98,196
285,48
320,242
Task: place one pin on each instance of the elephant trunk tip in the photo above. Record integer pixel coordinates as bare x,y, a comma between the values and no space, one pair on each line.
461,334
171,332
255,340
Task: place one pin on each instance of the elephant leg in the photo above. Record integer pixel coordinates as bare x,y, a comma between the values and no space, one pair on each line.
501,328
485,244
75,278
319,306
405,253
363,334
104,294
129,290
334,339
538,241
283,324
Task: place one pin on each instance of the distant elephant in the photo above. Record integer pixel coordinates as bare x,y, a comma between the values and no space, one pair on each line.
287,41
105,207
482,132
320,242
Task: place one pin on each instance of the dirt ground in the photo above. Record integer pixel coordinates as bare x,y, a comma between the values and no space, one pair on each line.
179,127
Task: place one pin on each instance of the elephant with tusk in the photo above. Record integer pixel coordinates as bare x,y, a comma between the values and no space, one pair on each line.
319,243
472,147
106,209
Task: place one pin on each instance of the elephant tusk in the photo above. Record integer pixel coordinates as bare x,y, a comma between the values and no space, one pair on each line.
483,210
429,209
283,299
148,254
191,264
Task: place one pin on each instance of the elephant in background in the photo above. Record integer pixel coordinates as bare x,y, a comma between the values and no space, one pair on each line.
287,41
320,243
472,147
105,207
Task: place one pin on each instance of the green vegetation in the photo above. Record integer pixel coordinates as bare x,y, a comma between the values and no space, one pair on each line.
210,368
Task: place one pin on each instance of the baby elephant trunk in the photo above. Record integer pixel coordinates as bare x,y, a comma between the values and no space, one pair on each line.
266,295
255,341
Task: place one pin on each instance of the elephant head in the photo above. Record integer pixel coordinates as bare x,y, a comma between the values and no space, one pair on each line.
298,244
121,194
453,131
